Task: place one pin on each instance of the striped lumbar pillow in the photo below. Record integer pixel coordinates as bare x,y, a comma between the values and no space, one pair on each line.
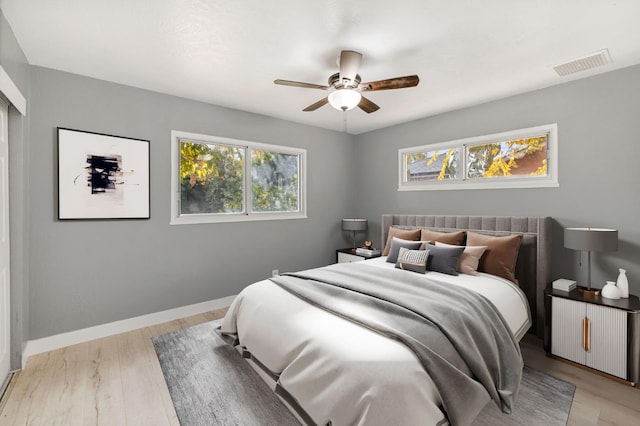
412,260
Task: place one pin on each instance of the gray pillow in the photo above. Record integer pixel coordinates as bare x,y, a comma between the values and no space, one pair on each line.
444,259
397,243
412,260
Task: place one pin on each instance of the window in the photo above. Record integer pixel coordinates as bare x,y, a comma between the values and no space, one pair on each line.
225,180
525,158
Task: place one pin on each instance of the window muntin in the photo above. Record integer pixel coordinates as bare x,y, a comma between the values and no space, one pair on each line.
521,158
220,180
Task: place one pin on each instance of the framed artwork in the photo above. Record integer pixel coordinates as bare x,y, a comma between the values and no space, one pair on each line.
102,176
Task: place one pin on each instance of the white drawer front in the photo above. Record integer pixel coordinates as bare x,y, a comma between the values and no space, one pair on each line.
348,258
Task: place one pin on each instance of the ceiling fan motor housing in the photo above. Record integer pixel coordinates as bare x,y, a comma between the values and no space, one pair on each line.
334,81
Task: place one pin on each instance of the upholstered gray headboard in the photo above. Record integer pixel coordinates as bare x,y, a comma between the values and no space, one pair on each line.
533,268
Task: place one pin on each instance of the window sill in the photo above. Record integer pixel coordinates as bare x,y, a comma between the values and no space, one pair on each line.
225,218
510,184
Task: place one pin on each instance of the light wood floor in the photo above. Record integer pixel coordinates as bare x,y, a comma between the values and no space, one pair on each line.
117,381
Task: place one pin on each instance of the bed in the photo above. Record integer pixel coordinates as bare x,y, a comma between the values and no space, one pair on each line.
330,370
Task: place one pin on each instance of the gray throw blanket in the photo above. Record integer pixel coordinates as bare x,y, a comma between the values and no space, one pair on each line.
460,338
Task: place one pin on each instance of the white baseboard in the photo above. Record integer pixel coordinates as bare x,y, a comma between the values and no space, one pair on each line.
62,340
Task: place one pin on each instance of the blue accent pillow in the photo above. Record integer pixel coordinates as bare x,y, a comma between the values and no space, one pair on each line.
398,243
444,259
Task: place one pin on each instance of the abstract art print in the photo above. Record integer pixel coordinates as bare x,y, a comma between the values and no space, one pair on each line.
102,176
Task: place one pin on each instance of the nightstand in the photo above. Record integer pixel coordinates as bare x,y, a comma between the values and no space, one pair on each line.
596,333
348,255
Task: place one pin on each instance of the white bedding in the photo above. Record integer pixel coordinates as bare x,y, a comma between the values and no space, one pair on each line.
341,372
508,298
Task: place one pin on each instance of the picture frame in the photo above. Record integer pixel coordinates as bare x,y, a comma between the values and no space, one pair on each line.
102,176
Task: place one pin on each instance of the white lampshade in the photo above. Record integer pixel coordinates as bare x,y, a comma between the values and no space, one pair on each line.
344,99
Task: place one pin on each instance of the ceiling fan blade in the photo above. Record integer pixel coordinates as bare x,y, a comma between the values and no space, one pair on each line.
349,65
390,83
316,105
367,106
299,84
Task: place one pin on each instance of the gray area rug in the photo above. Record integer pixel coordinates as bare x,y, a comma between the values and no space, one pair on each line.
210,384
543,400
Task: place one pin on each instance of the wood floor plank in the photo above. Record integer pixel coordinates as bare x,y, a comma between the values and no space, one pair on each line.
104,399
67,387
165,327
583,414
217,314
159,382
620,415
193,320
143,404
210,316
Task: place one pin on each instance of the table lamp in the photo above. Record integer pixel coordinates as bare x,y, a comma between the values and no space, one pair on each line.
590,239
354,225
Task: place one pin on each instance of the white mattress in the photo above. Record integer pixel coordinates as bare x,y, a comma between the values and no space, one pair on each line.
341,372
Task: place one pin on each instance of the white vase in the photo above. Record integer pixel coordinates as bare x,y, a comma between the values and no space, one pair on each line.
610,291
623,284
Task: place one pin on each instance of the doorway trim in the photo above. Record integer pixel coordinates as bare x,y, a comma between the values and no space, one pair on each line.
9,89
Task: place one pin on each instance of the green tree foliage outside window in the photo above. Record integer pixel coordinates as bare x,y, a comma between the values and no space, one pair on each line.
274,181
211,178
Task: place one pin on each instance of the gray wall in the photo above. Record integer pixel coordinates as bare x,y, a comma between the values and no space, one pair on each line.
14,62
599,152
84,273
88,273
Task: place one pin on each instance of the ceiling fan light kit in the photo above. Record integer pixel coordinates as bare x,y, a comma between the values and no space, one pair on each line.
344,99
345,89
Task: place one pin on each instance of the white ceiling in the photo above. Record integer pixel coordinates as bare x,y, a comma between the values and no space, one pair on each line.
228,52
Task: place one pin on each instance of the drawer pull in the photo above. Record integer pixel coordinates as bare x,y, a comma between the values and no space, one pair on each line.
586,334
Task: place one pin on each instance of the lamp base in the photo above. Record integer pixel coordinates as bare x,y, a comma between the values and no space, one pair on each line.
589,292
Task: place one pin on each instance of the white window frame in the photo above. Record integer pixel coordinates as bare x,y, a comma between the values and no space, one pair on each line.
247,215
522,181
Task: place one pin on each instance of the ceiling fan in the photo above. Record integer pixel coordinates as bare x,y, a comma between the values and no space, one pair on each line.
345,87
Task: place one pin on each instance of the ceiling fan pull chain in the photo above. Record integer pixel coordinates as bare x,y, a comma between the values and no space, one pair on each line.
344,121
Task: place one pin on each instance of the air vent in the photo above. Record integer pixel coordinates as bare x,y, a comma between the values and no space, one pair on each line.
588,62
